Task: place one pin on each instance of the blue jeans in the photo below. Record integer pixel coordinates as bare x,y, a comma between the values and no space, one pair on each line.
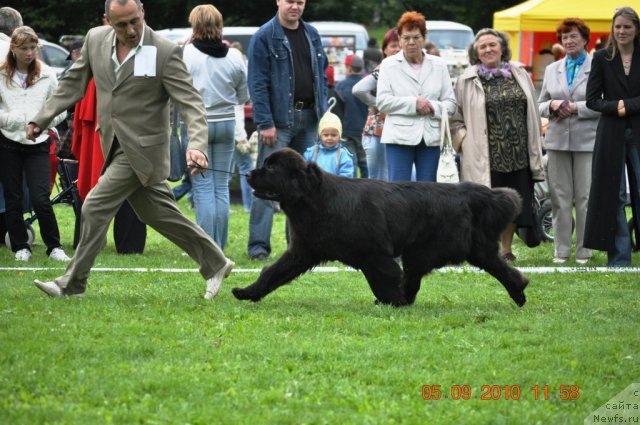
211,188
376,157
620,256
401,159
244,162
184,188
302,135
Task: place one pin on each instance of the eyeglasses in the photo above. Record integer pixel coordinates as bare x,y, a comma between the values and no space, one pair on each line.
408,39
572,36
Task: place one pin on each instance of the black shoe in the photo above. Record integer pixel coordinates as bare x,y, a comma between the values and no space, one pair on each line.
260,257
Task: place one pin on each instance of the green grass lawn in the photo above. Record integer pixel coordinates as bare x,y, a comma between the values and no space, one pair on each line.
145,347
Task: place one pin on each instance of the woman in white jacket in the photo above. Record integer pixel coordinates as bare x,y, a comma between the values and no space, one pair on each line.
414,90
25,84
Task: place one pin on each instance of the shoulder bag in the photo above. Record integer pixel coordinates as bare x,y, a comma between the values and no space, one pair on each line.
447,168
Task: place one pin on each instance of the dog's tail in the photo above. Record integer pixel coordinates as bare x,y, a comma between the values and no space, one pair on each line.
496,211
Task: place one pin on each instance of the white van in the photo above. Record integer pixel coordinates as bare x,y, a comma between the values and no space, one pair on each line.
340,39
452,40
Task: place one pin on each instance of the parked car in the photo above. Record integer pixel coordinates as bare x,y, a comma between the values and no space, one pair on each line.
340,39
57,57
452,40
231,34
177,35
240,34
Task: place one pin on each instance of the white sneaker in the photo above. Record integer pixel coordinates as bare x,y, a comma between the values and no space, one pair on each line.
559,260
52,289
23,255
582,260
214,283
58,254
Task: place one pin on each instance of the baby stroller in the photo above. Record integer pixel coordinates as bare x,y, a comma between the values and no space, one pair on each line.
542,203
68,193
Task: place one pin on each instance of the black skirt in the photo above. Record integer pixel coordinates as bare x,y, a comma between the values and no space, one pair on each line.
522,182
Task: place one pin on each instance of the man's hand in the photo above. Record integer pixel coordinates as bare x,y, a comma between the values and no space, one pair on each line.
268,136
197,161
33,131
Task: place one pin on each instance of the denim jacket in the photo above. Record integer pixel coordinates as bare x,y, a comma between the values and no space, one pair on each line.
271,79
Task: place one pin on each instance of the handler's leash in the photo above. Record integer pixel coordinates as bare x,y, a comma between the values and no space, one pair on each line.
200,167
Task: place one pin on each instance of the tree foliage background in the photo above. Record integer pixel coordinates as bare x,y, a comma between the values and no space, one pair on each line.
55,18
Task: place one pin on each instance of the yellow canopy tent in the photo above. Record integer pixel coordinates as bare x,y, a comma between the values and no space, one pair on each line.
544,16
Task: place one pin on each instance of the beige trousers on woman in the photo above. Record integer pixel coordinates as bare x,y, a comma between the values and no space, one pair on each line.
569,184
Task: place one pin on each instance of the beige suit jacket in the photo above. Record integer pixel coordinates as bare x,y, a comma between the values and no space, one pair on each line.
578,132
133,109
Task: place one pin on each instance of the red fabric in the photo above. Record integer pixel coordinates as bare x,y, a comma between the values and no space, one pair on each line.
86,142
330,73
53,159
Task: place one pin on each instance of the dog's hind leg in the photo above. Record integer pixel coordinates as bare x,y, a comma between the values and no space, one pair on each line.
283,271
385,279
513,281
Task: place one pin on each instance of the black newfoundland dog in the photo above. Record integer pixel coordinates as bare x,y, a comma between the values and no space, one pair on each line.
367,224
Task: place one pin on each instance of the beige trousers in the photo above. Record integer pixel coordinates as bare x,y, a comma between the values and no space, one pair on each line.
569,184
154,205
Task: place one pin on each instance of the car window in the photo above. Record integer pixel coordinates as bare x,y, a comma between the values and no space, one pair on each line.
54,56
454,39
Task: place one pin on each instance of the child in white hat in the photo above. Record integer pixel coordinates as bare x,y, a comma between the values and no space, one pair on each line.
329,153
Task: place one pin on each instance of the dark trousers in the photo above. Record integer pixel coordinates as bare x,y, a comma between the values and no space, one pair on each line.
354,144
31,163
129,233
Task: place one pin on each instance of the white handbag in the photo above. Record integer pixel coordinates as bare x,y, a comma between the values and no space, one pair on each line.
447,168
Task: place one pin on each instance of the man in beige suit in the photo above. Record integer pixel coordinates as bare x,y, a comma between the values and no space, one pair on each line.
136,74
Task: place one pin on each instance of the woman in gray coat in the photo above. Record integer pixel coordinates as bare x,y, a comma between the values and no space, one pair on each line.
570,137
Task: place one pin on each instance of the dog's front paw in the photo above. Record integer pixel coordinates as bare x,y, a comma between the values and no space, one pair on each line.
243,294
401,303
517,292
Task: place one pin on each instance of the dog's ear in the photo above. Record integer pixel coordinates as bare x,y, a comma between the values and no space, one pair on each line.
314,175
304,182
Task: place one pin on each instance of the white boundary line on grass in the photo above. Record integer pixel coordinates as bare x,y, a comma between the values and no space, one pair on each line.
459,269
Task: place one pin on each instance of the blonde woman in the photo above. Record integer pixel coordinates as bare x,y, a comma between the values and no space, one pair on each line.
613,90
25,84
220,75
